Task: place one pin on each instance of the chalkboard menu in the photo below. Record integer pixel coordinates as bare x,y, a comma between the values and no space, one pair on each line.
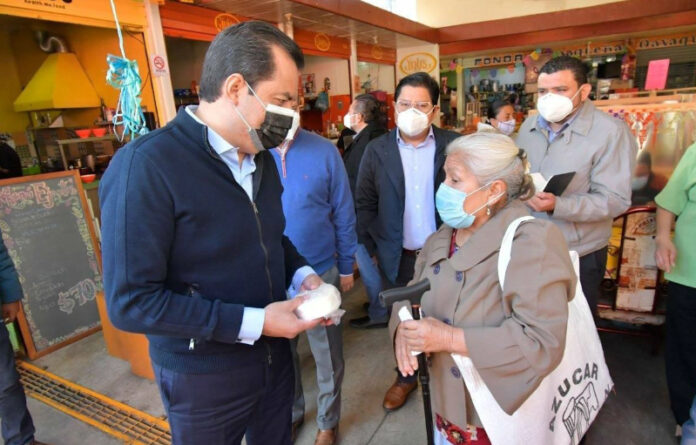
51,241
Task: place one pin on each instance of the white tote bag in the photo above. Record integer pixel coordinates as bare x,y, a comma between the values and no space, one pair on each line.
567,401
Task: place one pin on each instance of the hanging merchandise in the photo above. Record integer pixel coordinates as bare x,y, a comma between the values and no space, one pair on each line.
493,73
123,74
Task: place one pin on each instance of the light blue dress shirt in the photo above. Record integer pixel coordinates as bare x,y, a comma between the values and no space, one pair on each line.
543,124
419,206
253,318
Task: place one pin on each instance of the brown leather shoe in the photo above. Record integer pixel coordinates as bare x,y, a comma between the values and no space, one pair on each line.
326,437
397,395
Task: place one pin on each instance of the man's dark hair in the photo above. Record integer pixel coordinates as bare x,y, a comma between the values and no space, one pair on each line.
371,109
244,48
495,107
420,80
562,63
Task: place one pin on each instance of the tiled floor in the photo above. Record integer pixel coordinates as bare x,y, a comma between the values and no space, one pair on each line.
638,413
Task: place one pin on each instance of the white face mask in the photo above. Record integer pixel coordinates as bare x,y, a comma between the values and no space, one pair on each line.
507,127
295,125
347,121
412,122
555,107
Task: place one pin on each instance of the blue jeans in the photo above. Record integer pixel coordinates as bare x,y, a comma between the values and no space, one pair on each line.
17,426
372,281
689,427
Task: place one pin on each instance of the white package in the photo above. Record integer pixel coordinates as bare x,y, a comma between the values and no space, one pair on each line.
322,302
405,315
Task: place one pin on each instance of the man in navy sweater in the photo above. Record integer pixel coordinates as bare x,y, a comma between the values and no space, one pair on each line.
194,252
320,218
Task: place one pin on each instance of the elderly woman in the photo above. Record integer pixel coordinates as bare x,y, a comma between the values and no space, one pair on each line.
515,336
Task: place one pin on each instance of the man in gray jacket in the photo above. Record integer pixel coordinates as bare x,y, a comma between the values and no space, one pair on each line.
570,135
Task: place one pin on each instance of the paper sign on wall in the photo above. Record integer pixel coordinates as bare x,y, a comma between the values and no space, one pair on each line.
657,74
159,66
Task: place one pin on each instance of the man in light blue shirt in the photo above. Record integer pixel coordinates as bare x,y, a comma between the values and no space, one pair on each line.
395,198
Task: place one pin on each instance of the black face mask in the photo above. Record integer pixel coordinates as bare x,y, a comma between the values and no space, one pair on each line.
275,128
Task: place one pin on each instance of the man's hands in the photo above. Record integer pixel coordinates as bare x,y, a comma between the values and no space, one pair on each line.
281,321
426,335
9,311
542,202
665,253
347,282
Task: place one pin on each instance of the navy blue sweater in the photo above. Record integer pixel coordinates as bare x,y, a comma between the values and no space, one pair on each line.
185,250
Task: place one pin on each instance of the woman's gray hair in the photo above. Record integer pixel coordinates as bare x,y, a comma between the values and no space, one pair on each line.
492,156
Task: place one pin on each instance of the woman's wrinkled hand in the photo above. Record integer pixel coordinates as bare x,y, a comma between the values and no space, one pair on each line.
429,335
406,362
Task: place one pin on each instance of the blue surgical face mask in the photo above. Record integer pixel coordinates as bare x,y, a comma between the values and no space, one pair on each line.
450,205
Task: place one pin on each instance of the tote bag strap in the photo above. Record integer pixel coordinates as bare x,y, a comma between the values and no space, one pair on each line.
506,247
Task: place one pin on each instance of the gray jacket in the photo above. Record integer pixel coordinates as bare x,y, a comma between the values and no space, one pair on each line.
602,151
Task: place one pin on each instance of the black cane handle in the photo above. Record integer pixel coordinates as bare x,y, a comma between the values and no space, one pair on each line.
412,293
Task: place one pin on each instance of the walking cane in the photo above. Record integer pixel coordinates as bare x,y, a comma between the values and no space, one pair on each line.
413,295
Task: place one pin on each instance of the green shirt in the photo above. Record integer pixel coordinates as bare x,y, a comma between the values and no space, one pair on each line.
679,197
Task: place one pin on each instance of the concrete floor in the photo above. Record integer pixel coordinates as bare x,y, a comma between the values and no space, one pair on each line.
638,413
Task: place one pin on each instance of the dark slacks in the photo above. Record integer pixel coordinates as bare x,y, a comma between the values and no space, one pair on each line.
680,349
17,426
592,269
406,270
253,400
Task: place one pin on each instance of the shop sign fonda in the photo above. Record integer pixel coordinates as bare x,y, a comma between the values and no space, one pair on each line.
417,62
500,59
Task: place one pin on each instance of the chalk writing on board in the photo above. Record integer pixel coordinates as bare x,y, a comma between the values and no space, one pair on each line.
45,230
80,293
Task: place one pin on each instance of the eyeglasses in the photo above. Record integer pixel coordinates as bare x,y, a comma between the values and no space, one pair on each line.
423,107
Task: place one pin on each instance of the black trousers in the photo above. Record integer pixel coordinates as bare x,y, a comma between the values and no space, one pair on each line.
406,270
680,349
592,269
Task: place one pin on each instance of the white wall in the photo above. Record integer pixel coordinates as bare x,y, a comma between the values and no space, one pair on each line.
335,69
438,13
185,61
382,76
